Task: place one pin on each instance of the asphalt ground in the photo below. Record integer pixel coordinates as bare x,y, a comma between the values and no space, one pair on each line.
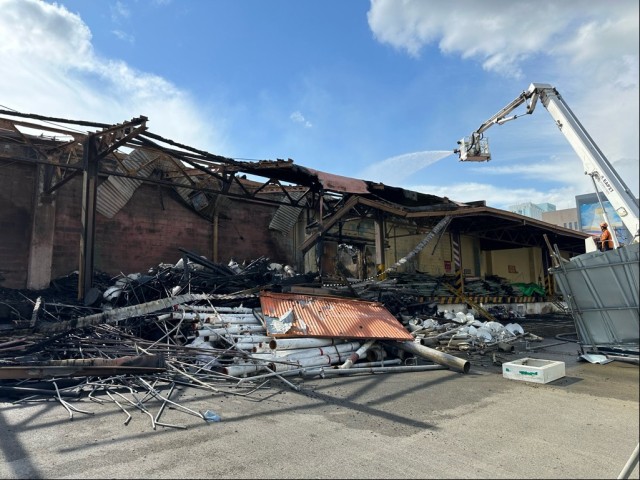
431,424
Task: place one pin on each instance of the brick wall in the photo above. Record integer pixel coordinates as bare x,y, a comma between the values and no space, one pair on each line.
244,235
149,230
16,206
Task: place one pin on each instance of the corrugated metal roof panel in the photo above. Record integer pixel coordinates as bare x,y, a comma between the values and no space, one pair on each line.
115,192
332,317
286,216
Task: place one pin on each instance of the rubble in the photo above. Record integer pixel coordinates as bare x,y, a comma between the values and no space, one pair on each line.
135,338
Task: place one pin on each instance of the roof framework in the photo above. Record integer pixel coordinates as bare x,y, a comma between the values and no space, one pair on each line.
71,148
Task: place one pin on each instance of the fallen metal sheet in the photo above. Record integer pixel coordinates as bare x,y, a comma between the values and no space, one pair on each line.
330,317
595,358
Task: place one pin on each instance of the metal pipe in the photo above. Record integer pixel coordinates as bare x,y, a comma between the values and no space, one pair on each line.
331,372
213,317
382,363
250,338
328,350
243,369
156,394
376,353
630,465
299,353
357,355
164,403
266,351
248,346
216,333
295,387
213,310
235,329
126,422
304,342
224,321
310,362
434,355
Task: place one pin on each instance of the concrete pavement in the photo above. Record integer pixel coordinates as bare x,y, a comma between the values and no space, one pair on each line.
433,424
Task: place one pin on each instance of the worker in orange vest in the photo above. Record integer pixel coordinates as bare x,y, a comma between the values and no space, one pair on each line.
606,242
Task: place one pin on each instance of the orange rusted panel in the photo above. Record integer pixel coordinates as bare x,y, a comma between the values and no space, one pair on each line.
331,317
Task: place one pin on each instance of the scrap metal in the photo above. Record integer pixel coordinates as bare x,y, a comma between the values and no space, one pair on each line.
134,354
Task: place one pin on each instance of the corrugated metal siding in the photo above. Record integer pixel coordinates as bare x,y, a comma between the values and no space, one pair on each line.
332,317
183,192
115,192
286,216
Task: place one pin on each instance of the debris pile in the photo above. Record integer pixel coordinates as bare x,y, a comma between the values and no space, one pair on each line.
466,333
417,293
136,338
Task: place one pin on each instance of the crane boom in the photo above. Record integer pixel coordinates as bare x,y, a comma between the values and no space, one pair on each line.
475,148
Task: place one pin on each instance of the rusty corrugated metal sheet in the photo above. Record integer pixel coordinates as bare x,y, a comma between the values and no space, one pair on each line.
332,317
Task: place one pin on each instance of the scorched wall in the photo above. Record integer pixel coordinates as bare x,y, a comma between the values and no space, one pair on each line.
149,230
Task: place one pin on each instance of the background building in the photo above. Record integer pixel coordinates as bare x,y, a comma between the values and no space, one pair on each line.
533,210
566,217
590,215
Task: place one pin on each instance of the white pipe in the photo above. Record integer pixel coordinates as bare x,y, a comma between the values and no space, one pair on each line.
238,370
204,308
265,349
248,346
215,318
235,329
357,355
304,342
266,357
294,354
240,337
328,350
310,362
237,321
218,332
214,326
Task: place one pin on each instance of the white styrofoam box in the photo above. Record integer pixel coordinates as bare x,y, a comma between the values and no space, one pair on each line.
533,370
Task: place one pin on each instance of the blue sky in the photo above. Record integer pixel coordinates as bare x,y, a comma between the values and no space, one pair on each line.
379,90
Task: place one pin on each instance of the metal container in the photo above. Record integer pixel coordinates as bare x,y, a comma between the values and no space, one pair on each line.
601,290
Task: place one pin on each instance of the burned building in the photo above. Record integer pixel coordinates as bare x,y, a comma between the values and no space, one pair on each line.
86,197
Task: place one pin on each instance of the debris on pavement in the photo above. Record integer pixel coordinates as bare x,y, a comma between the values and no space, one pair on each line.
231,329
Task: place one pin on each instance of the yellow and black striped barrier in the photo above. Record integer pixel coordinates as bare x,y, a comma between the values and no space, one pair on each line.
451,299
458,281
549,289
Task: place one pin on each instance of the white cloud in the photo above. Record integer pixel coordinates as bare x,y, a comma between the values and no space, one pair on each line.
55,71
502,33
500,197
119,10
588,50
124,36
297,117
